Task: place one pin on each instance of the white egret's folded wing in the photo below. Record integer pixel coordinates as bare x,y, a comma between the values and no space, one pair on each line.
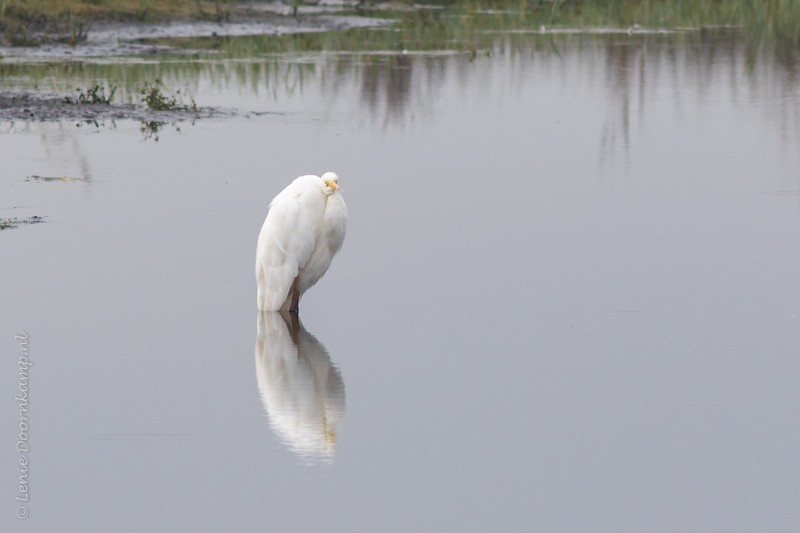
287,240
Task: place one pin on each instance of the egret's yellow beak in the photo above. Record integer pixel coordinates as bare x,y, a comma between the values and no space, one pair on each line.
332,184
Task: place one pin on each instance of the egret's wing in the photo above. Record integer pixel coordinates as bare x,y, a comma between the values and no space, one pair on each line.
330,236
286,242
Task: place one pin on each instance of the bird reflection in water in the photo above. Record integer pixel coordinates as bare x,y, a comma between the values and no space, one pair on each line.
301,389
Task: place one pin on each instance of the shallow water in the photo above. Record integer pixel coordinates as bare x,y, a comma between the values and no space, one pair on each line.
567,301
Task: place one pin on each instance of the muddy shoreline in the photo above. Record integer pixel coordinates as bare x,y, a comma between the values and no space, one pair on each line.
116,38
37,107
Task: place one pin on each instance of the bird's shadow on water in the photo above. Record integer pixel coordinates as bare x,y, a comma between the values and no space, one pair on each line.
301,389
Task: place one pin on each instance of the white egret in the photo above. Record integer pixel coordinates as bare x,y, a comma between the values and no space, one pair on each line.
304,229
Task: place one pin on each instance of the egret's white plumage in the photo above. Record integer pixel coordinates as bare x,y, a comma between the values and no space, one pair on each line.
304,229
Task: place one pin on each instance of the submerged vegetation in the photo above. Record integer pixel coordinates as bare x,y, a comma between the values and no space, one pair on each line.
775,17
92,95
30,22
774,20
156,100
474,25
384,58
39,10
35,22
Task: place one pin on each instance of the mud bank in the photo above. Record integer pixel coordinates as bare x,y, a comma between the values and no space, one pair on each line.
48,107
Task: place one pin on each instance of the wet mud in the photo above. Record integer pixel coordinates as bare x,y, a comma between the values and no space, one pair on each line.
30,106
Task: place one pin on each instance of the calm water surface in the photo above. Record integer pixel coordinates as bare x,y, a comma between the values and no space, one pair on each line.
569,298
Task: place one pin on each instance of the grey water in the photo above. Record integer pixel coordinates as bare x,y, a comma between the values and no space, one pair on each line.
568,300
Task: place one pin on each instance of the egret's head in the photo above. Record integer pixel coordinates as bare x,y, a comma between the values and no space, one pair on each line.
331,181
